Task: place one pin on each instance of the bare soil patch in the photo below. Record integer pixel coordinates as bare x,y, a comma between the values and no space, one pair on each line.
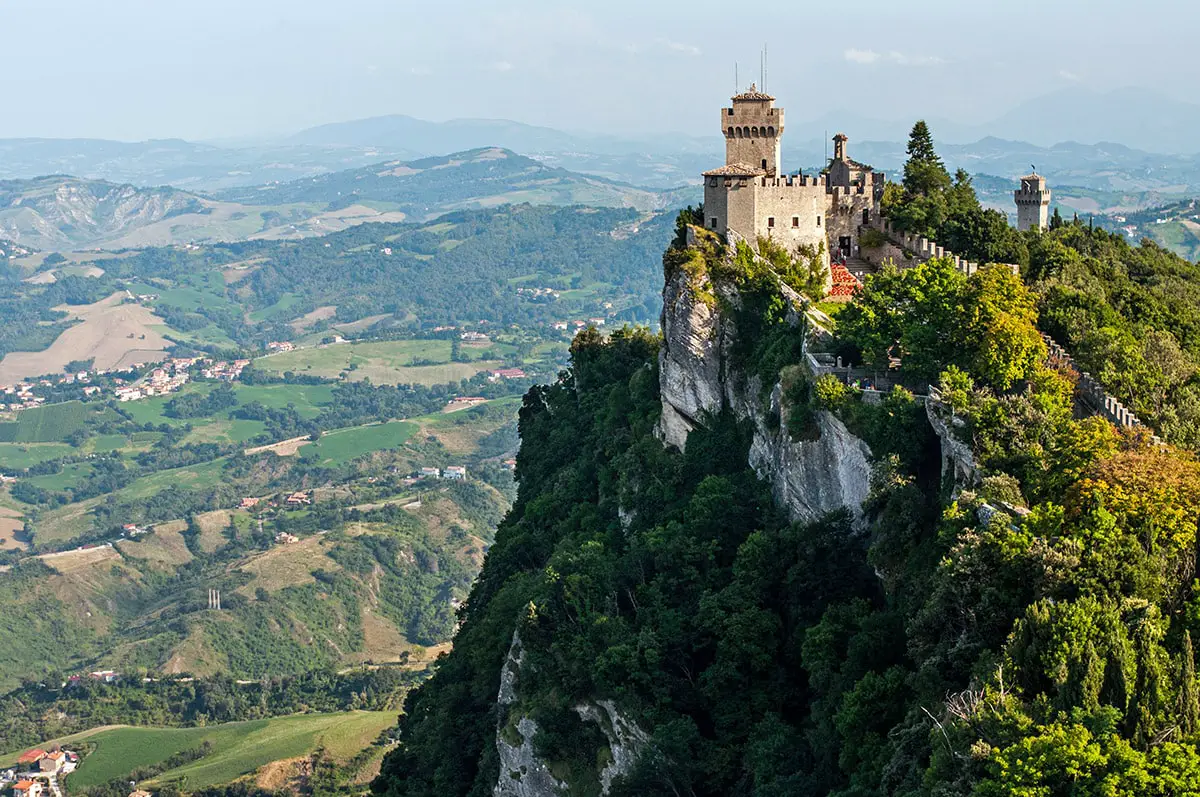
307,320
284,448
11,522
113,332
212,527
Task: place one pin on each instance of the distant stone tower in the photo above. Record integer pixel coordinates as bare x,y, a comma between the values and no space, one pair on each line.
752,128
1033,203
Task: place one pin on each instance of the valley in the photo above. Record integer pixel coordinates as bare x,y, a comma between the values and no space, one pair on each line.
226,463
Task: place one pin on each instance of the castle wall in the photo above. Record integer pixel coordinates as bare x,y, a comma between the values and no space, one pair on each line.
731,202
845,216
797,207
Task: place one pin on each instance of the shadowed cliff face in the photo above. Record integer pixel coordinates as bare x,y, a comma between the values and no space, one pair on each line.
698,378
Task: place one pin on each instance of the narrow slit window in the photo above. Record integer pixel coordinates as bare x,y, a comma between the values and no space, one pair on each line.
818,221
770,221
795,221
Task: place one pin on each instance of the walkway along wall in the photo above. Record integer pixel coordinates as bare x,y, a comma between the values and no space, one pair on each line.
1091,395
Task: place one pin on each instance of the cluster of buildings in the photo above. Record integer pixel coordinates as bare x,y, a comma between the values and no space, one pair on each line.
281,345
506,373
20,396
578,324
225,371
38,770
539,294
474,337
164,380
451,472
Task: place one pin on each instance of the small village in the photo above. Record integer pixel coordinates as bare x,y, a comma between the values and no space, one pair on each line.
39,771
130,384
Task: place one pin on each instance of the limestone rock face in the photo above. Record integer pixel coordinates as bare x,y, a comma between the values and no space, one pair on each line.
522,773
697,378
626,740
958,461
690,372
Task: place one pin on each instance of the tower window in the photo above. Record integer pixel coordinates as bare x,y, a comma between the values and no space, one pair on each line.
764,164
712,222
795,221
818,221
770,221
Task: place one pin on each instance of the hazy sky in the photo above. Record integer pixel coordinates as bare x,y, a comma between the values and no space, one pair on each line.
209,69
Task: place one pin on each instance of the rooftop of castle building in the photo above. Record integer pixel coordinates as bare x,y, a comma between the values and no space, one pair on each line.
753,95
736,170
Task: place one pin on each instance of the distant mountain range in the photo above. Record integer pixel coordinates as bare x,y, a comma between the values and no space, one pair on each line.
67,213
329,177
1142,125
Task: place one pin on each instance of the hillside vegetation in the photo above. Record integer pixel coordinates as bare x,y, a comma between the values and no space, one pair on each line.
1026,630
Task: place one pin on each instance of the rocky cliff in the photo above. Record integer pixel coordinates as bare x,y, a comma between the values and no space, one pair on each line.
699,377
64,212
522,772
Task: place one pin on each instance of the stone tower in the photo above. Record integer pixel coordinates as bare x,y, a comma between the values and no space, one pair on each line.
753,127
1033,203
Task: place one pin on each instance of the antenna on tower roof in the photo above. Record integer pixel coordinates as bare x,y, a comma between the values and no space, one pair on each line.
737,86
764,68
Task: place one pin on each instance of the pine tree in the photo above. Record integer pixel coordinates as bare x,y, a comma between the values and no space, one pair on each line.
1189,697
920,145
924,172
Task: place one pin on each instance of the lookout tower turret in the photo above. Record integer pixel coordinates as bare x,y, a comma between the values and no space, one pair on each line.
1033,203
753,127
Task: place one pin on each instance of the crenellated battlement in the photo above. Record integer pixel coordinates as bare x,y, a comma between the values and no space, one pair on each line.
794,181
1092,395
922,249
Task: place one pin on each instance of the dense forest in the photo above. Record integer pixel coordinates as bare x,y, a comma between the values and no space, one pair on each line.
1028,632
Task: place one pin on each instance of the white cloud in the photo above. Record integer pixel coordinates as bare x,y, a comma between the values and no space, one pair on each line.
1068,75
680,47
855,56
861,56
501,66
420,71
914,60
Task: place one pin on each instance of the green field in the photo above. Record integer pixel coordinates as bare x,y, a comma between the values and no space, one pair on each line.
68,477
51,423
307,399
388,362
238,748
281,309
339,447
204,475
20,455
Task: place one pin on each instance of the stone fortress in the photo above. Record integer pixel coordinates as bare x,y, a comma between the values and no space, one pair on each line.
751,197
1033,203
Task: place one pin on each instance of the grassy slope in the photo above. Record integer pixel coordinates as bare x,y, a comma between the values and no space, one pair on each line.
238,748
387,362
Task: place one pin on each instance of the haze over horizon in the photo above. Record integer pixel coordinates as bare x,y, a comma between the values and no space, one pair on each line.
219,69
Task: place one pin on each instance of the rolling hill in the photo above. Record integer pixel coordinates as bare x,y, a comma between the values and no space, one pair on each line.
473,179
61,213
